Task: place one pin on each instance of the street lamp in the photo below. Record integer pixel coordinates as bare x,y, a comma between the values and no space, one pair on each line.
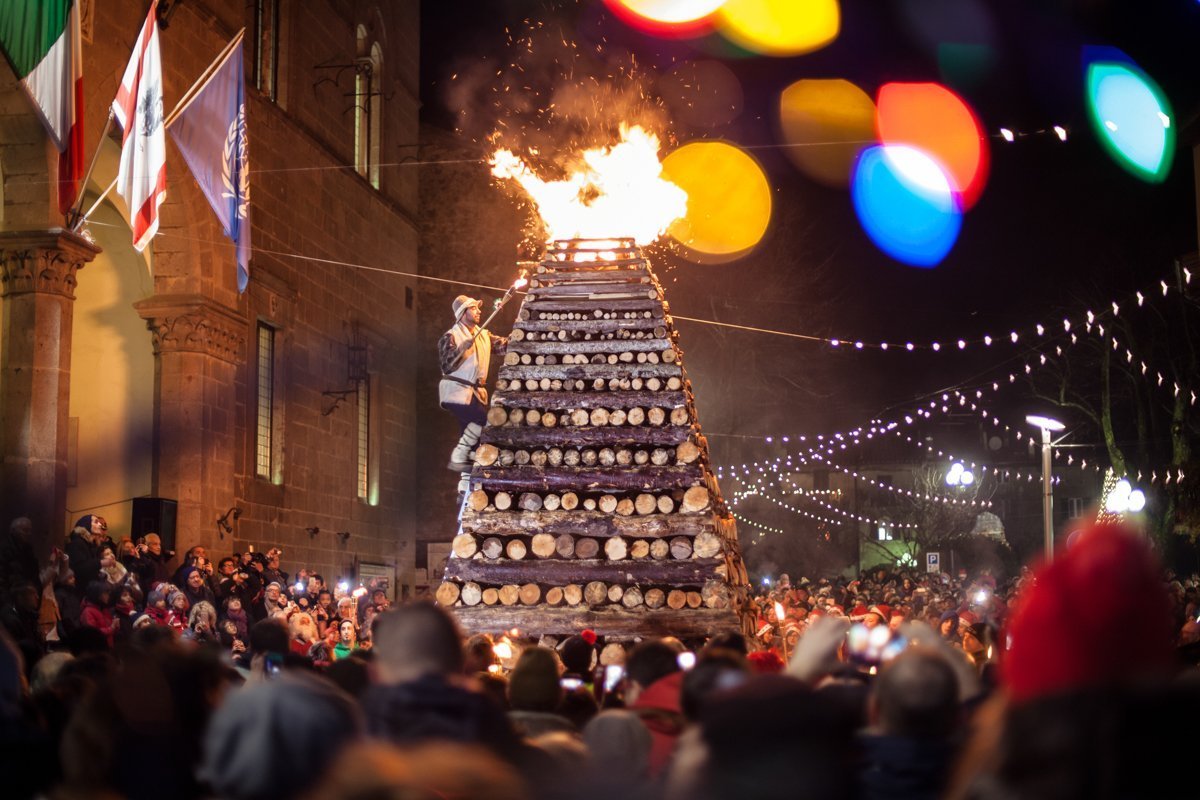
959,475
1046,424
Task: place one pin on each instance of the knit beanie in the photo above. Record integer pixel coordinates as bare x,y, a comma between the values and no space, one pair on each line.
577,654
1125,633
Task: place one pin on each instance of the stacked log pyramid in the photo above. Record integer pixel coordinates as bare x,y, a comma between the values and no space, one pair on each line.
593,504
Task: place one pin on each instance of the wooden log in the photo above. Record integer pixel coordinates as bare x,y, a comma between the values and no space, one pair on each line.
529,501
589,504
681,547
593,326
515,549
706,545
694,499
573,594
642,457
491,596
656,416
680,416
694,599
471,593
587,457
669,572
607,621
571,458
579,418
655,598
502,501
586,548
543,479
674,384
554,456
647,346
635,416
659,456
533,417
624,507
538,458
665,504
599,417
510,594
561,401
607,457
607,503
447,593
686,451
595,593
617,417
477,500
530,594
615,592
521,457
659,549
581,522
542,545
569,501
715,594
676,598
613,654
632,598
554,596
639,549
616,549
497,415
617,365
492,547
464,546
550,419
551,502
564,545
645,504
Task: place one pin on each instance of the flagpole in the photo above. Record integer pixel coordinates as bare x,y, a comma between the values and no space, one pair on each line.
180,107
74,221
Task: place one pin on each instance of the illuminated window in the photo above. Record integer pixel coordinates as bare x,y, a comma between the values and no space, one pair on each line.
368,108
364,440
266,44
265,430
884,532
1075,507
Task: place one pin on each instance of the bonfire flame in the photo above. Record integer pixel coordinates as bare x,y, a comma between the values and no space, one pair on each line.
618,192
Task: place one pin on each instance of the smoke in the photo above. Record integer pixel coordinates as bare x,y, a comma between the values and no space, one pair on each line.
550,97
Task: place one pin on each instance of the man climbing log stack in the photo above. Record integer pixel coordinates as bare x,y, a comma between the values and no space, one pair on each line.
465,352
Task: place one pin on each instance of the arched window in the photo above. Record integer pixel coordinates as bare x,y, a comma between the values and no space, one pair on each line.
368,107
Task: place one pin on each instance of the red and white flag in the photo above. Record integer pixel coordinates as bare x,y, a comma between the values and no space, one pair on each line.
138,109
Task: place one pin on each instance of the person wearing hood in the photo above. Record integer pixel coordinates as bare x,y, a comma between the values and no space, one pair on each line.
83,547
534,692
156,604
97,610
948,628
177,608
653,692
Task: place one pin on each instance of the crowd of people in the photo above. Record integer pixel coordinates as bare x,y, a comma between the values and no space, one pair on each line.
122,677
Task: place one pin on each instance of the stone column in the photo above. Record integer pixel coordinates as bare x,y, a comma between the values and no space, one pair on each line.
37,284
199,345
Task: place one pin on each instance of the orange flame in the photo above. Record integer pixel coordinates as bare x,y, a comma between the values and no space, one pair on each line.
617,192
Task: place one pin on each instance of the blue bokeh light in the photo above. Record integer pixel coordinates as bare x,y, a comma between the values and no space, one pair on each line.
1132,118
905,203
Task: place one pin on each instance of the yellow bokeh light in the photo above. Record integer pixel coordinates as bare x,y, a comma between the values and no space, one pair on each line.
729,198
825,124
780,27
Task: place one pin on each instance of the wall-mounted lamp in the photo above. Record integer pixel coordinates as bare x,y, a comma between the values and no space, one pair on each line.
313,531
343,535
223,525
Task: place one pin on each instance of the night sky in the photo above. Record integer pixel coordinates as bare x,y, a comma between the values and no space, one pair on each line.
1058,226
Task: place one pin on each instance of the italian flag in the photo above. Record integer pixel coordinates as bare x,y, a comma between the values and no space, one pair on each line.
42,42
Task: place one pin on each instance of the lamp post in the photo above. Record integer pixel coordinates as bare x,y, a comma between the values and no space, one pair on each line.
1046,424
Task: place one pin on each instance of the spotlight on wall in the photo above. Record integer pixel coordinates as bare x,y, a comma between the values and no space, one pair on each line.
313,531
223,525
343,535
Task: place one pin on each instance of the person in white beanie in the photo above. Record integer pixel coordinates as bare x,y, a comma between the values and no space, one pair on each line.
465,352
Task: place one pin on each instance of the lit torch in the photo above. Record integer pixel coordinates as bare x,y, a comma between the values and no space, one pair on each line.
779,616
520,283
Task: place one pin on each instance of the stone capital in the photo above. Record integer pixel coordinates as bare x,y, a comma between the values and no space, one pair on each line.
193,323
42,261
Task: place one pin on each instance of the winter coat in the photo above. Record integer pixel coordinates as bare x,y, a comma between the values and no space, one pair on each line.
903,768
431,708
84,558
97,617
659,708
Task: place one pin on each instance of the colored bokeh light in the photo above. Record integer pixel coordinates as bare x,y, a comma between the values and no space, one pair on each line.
779,27
935,120
906,204
729,198
825,124
667,17
1132,118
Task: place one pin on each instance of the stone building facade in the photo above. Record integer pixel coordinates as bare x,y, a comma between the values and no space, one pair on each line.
127,375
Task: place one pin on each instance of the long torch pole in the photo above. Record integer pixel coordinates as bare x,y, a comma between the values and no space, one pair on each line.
1047,496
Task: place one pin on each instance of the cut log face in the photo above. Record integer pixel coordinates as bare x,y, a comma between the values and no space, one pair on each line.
592,502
